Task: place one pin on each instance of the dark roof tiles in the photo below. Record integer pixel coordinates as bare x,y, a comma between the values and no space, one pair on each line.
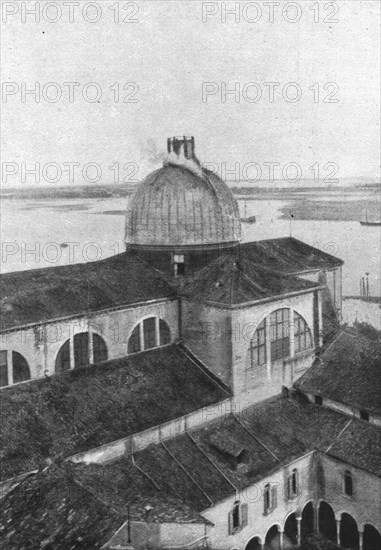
39,295
348,371
94,405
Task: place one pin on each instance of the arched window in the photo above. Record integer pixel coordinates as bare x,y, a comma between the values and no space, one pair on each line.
293,484
99,349
81,349
302,334
236,515
258,346
21,370
13,366
348,483
63,358
280,334
4,380
165,333
83,353
148,334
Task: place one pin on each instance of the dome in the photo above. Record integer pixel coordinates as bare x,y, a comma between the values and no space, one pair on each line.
182,205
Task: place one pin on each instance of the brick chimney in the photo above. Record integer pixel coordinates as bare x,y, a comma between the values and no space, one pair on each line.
181,146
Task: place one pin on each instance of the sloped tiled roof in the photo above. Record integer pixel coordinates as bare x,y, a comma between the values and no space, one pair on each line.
230,281
53,511
39,295
274,433
90,406
288,255
349,371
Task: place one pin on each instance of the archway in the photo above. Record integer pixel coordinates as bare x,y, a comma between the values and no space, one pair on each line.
272,540
371,538
254,544
290,531
327,521
349,535
308,522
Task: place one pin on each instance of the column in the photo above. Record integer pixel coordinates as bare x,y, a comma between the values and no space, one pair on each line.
299,531
91,348
157,332
141,336
71,348
316,518
320,318
281,539
361,540
292,333
338,532
268,347
10,367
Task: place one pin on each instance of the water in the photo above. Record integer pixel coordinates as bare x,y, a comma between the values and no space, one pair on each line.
68,231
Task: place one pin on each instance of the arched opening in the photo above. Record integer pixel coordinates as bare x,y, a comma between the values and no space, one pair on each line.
148,334
272,540
20,367
302,334
280,334
82,352
13,366
371,538
99,349
254,544
81,349
327,521
290,531
134,341
165,333
307,520
63,358
4,381
349,536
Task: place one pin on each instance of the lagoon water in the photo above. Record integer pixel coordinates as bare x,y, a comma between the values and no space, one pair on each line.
41,233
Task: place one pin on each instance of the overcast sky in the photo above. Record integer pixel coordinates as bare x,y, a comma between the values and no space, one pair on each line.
169,53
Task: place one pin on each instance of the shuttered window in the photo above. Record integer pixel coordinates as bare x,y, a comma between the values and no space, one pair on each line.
238,517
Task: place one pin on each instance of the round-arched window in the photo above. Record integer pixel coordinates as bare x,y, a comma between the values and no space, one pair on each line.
150,333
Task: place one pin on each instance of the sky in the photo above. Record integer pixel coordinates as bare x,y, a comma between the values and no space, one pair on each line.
170,54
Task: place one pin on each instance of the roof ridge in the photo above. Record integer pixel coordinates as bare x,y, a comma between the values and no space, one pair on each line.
335,439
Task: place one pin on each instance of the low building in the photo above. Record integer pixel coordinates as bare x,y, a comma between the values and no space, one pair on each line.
192,389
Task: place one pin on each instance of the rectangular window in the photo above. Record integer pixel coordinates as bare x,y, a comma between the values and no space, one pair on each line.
3,369
270,498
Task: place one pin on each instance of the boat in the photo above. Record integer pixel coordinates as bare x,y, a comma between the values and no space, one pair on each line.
367,222
250,219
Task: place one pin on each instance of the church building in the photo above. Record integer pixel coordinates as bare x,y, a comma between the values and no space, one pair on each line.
195,391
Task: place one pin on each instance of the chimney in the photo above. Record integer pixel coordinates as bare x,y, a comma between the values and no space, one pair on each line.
181,146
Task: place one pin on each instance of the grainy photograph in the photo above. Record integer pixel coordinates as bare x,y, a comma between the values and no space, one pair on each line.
190,286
